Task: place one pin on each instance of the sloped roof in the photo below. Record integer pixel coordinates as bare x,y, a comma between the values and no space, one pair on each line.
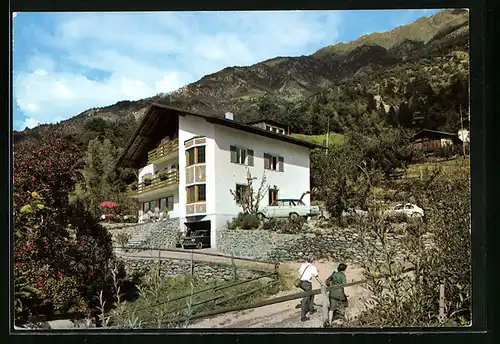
156,122
435,134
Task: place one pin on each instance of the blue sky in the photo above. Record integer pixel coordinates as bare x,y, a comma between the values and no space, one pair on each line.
66,63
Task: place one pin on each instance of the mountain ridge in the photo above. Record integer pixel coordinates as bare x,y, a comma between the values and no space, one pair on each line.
283,82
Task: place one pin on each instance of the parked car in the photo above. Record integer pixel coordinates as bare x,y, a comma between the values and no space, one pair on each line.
291,208
408,209
198,239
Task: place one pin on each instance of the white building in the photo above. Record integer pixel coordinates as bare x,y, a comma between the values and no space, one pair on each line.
200,158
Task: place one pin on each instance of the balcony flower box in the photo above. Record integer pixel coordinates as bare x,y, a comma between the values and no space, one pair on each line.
147,179
163,175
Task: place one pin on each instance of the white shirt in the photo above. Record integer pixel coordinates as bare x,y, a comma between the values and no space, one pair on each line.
308,271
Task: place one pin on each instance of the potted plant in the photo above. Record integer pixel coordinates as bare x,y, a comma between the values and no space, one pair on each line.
163,174
147,179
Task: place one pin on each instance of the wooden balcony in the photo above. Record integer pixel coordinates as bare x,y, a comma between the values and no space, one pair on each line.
157,183
163,150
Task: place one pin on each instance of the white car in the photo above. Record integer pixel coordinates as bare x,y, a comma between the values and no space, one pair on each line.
292,208
408,209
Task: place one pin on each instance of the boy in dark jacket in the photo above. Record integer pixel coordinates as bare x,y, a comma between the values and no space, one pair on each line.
338,299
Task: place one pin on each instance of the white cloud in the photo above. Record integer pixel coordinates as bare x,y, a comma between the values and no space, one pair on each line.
86,60
30,123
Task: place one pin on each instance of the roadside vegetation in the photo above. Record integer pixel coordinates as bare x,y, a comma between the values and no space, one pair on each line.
414,299
157,301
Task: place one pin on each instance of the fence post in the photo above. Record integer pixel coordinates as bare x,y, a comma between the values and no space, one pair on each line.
325,303
441,303
192,264
235,277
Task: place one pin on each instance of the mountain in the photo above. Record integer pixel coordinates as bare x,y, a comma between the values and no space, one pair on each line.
421,30
282,85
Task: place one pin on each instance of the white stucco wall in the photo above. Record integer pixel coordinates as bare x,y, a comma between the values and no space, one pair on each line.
292,183
222,175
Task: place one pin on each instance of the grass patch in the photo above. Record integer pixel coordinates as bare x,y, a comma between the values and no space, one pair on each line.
447,166
334,138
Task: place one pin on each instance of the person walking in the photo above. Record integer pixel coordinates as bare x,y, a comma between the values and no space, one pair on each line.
307,271
338,298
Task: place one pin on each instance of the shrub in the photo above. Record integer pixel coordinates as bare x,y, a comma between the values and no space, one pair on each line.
123,238
270,224
61,254
448,151
250,221
291,226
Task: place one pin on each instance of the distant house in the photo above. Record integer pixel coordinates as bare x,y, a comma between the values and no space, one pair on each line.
189,162
271,125
430,140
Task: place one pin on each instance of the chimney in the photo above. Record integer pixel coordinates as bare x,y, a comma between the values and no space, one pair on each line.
229,116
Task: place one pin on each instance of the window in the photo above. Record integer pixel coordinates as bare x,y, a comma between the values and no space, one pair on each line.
241,191
200,154
145,207
282,132
241,155
275,129
274,163
196,193
273,196
152,206
163,204
195,155
268,128
398,207
170,203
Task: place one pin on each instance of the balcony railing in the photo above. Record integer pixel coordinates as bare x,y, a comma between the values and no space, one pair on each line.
157,183
163,149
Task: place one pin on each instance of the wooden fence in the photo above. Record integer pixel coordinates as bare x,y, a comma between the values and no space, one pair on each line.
260,265
324,291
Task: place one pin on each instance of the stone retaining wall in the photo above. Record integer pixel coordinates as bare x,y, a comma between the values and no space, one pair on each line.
164,234
161,235
337,245
205,271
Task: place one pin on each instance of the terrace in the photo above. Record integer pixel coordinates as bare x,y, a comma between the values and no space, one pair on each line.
169,179
164,151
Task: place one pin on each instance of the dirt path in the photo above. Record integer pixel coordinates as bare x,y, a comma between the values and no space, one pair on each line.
285,314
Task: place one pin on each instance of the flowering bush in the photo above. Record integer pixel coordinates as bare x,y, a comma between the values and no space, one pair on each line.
61,256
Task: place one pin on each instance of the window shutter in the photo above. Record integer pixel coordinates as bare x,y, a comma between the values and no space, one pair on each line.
250,157
266,161
234,153
281,164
